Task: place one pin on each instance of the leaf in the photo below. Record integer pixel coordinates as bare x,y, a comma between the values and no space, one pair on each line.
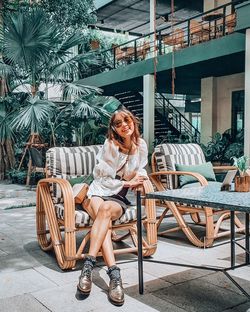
33,114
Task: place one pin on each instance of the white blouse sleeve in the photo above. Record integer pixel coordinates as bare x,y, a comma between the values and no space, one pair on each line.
105,170
143,158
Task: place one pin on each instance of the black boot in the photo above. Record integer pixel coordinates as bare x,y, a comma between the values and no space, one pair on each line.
115,293
85,279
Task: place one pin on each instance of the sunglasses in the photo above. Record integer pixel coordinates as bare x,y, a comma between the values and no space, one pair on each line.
118,123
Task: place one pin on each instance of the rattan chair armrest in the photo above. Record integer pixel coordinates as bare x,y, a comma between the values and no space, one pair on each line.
155,175
224,168
69,204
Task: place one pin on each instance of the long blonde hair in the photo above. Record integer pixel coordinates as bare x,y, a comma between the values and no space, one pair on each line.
113,135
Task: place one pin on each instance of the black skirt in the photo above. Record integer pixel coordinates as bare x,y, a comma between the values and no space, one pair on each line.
119,198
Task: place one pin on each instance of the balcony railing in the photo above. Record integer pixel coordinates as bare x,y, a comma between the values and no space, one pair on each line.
200,28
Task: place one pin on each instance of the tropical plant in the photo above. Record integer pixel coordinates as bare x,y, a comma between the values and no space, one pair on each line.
223,147
7,158
241,163
92,113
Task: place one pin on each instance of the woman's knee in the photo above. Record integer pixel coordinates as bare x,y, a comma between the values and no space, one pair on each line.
105,210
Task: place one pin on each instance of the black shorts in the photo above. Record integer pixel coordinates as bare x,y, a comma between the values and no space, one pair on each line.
120,202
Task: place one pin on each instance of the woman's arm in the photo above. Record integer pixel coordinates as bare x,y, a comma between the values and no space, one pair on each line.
143,158
107,165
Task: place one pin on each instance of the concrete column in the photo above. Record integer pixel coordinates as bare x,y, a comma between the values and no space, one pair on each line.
247,96
152,27
208,109
148,110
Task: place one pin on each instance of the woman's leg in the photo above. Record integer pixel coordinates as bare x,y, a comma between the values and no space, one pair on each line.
107,246
100,236
111,210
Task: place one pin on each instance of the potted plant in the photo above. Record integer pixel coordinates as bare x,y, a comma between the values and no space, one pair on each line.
242,182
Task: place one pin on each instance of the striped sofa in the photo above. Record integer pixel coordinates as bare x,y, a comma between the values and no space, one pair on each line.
164,176
56,210
72,162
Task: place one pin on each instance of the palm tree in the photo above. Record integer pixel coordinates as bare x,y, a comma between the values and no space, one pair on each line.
35,51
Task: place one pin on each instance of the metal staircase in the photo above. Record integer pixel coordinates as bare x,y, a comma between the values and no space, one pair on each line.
169,122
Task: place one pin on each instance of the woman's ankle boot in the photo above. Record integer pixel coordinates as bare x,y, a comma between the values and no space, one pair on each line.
115,293
85,279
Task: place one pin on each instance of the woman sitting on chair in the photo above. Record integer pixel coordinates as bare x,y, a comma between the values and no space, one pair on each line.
120,166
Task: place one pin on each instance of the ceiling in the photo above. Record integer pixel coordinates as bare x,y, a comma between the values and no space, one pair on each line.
133,15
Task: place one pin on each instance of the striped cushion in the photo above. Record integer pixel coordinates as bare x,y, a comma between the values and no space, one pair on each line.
167,155
83,219
68,163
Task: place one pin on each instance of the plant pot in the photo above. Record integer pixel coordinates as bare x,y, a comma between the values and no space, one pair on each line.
94,44
242,184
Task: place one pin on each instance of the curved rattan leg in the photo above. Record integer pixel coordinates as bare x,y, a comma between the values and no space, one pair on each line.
43,237
150,244
195,216
183,225
209,219
65,250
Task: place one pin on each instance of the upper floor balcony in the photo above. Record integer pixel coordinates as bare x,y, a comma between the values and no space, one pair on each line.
153,52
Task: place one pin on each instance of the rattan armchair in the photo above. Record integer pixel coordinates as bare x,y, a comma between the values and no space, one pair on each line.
58,219
164,176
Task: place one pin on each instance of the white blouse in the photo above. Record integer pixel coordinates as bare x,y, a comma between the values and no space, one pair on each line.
109,161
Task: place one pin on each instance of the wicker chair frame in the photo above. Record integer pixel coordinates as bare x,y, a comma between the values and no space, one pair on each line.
177,210
50,228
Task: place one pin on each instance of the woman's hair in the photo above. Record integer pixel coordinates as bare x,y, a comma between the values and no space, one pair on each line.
112,133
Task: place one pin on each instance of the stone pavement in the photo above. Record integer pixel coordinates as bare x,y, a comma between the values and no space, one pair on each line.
30,279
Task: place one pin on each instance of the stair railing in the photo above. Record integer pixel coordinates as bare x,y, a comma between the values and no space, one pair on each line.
176,118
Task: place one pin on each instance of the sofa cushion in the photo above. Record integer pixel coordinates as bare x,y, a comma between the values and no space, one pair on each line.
69,163
206,170
168,155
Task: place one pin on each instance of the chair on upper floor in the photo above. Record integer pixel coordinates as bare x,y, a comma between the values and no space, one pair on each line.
199,32
189,160
230,22
176,39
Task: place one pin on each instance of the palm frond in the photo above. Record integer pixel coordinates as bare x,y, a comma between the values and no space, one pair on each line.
76,90
6,132
83,110
5,69
33,115
71,41
28,37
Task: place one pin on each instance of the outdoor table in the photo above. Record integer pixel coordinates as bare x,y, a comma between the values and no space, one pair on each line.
206,196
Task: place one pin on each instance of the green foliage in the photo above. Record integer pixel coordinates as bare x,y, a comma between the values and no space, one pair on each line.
223,147
241,163
20,176
73,14
33,114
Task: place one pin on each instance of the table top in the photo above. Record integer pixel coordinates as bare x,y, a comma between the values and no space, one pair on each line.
207,196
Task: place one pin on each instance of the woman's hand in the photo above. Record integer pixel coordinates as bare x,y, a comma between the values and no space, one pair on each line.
137,180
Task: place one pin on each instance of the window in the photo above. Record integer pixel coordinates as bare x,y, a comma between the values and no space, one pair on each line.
237,112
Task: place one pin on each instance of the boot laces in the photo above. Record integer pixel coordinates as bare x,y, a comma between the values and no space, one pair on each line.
87,271
116,282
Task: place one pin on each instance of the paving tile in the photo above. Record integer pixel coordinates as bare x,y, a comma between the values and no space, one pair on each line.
197,295
157,303
24,303
221,280
67,298
185,276
21,282
245,307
